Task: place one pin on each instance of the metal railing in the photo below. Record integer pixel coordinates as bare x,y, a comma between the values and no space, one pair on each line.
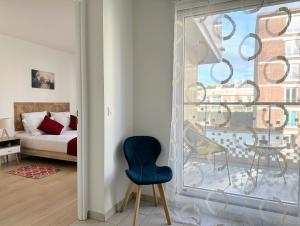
260,119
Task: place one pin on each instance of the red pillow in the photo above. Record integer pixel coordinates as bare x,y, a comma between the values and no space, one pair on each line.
50,126
73,122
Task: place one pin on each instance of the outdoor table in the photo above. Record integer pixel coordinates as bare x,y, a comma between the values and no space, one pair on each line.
267,150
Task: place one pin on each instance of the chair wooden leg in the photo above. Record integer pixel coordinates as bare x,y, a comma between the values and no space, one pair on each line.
154,195
127,196
137,206
164,202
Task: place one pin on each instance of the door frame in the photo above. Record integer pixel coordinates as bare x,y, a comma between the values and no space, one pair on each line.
82,158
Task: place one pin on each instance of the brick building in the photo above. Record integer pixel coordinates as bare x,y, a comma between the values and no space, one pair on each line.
270,68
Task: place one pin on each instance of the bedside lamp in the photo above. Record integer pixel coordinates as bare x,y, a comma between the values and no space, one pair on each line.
4,125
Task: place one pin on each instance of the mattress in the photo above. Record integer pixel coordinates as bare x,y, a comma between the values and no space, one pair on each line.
55,143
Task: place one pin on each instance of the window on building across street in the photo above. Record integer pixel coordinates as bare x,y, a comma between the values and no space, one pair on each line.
292,47
294,72
294,25
291,95
292,118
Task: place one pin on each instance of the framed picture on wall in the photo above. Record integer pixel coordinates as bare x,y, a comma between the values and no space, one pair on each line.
42,79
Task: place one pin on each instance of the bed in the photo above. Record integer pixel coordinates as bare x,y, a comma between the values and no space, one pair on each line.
47,146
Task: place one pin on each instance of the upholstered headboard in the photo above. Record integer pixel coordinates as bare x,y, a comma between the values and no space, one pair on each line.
24,107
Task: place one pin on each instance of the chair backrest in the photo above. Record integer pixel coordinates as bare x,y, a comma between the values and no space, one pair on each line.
141,150
196,140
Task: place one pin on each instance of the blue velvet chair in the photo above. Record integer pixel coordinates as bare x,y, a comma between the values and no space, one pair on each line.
141,153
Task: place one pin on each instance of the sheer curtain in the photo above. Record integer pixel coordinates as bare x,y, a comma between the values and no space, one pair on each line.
234,144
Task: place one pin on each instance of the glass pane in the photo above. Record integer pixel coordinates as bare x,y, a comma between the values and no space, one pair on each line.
288,95
240,103
293,93
294,71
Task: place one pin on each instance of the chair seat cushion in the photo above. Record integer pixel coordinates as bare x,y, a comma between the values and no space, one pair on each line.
149,174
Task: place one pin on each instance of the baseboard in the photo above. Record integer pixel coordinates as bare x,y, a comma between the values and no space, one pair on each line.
96,215
104,217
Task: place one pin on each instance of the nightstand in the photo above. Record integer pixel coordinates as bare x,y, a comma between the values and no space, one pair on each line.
10,146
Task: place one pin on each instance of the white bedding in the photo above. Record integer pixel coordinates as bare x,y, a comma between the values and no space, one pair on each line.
56,143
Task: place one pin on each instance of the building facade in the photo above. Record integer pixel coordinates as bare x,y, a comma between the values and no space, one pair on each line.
278,77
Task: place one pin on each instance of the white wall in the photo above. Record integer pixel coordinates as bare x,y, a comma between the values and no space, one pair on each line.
153,37
17,58
118,91
130,76
109,34
95,80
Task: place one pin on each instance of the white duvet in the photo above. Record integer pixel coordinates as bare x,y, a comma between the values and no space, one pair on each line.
56,143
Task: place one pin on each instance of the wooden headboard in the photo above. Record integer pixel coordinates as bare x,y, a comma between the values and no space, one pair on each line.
24,107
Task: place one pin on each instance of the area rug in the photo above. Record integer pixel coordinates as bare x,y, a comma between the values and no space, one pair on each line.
34,171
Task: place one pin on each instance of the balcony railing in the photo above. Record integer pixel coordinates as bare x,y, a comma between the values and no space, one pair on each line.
234,125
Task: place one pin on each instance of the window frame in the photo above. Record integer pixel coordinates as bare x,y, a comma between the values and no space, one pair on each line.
234,199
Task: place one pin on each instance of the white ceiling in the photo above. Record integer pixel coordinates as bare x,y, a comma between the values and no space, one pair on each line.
46,22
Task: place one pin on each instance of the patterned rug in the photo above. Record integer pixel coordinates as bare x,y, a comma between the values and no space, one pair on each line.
34,171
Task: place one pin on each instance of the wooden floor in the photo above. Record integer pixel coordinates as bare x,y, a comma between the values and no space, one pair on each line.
51,201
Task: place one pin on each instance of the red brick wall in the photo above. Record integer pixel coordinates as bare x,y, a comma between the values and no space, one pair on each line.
271,48
274,71
275,25
277,117
271,94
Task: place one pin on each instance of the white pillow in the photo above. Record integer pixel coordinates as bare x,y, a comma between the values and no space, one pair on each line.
26,128
31,125
54,114
32,120
34,114
62,118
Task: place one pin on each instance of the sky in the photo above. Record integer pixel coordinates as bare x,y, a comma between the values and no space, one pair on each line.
242,70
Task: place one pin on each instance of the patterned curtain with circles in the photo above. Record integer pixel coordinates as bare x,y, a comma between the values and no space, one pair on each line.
234,146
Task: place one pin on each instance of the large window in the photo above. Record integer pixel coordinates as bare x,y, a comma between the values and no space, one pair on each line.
237,97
